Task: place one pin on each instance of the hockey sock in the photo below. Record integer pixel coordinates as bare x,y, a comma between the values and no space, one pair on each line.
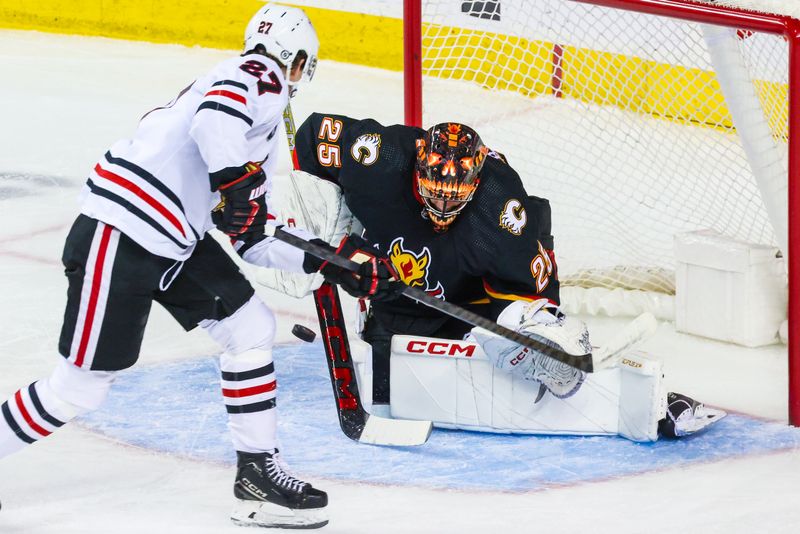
38,410
31,414
248,388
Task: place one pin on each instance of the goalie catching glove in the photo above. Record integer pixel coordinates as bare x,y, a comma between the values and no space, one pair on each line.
375,279
543,322
243,210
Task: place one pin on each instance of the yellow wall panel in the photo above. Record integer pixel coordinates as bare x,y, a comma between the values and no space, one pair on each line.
347,37
492,61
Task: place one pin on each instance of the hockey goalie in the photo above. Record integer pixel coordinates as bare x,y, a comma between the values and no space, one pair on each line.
454,219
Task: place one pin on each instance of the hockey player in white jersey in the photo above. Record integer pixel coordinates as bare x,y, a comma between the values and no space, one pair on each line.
142,236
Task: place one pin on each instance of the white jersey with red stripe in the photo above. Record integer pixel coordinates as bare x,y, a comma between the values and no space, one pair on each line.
155,186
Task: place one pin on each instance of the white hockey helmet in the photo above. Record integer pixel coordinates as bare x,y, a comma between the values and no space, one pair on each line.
284,32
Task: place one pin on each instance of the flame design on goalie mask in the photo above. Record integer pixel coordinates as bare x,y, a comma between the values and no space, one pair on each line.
449,160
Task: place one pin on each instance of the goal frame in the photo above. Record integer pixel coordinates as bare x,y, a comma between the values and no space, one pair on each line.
782,25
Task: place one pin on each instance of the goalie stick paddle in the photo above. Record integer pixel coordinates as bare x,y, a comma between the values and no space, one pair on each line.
354,421
583,362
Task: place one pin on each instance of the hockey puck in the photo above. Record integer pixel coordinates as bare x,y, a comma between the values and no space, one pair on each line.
304,333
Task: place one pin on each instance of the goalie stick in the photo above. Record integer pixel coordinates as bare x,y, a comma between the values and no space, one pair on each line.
354,421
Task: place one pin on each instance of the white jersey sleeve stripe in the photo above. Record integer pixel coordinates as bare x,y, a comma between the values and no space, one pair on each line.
216,106
231,83
227,94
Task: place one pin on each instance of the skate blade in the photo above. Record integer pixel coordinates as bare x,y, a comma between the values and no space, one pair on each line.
269,515
703,417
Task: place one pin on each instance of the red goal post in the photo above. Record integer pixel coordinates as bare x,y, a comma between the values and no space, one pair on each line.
484,64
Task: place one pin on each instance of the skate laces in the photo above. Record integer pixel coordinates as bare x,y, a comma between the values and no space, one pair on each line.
278,472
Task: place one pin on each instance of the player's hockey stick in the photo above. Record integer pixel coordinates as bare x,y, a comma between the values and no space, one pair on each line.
354,421
584,362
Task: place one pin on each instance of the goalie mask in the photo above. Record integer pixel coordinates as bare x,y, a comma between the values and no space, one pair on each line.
287,35
449,161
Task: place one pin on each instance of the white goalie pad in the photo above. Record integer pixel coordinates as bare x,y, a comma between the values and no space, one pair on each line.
453,384
302,200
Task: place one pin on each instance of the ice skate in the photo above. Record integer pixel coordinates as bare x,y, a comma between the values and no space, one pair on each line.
686,416
268,496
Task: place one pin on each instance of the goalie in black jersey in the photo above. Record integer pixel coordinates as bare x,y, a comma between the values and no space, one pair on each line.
456,221
452,215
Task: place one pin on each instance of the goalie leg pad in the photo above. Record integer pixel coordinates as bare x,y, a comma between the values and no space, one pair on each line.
642,398
455,384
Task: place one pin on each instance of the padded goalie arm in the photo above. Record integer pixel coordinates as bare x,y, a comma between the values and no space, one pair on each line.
522,265
302,200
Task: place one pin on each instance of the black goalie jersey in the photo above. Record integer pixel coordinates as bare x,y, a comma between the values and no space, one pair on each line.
499,248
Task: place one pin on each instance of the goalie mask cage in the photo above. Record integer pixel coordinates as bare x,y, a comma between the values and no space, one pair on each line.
637,119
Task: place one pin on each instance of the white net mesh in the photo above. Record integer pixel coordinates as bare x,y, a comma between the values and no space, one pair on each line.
778,7
615,117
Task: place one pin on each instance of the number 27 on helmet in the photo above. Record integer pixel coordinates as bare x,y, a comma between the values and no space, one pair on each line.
287,35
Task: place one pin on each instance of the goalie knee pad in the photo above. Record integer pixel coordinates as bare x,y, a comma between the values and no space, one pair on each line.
250,327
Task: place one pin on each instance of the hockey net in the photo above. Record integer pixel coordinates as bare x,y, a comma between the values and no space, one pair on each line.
637,119
621,120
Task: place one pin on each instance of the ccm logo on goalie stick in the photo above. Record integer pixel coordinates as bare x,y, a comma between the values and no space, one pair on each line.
440,348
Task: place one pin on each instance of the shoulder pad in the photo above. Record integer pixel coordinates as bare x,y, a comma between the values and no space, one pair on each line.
514,218
497,155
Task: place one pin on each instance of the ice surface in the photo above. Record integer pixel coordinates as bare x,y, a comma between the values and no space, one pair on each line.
148,408
64,100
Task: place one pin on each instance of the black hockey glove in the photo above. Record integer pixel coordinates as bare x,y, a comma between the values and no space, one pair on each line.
243,211
376,278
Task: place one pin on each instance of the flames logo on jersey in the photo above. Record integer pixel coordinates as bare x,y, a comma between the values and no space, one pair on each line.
413,268
366,148
513,217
